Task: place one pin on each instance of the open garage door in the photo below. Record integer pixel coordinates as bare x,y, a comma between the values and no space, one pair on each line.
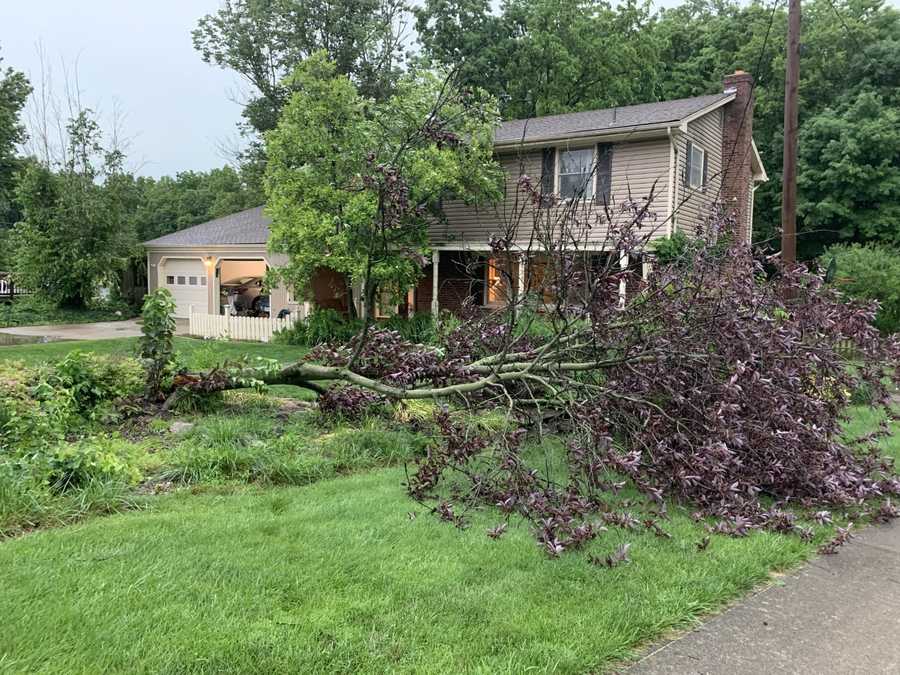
186,280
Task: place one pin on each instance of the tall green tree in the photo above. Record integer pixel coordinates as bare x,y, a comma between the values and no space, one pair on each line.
14,92
263,41
541,57
351,184
168,204
851,48
75,234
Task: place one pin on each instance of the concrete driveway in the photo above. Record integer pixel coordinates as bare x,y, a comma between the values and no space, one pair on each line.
102,330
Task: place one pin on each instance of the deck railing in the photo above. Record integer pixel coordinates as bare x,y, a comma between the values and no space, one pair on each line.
8,290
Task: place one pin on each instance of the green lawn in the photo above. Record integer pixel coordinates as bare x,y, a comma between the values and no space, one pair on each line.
195,351
294,548
336,577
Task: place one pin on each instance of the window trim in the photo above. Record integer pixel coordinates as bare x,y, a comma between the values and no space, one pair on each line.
557,175
690,165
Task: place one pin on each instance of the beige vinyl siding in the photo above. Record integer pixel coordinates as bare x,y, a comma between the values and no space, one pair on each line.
693,206
640,172
638,169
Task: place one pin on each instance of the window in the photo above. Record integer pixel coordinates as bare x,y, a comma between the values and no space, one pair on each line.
203,281
696,168
170,280
181,281
576,174
192,281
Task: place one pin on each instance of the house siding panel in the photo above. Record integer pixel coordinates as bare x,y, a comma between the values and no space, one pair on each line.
639,170
693,207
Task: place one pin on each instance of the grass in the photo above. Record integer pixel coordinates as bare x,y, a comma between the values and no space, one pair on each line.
289,547
31,311
197,353
336,577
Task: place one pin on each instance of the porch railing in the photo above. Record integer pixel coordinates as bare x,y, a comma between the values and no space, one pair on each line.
8,290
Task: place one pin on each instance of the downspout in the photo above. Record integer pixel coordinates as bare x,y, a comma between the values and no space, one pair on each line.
670,210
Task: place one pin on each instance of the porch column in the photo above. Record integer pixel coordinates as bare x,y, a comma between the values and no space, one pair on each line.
520,279
435,264
623,265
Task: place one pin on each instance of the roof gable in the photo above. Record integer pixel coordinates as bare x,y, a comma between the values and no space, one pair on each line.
601,121
245,227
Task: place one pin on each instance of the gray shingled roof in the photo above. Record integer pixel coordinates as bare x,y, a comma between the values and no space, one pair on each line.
555,126
247,227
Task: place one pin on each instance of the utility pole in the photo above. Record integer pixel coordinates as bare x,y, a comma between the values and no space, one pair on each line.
791,124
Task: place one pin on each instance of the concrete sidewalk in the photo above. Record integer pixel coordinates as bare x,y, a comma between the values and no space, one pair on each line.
838,614
101,330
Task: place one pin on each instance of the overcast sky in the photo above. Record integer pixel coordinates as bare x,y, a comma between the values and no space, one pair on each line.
137,53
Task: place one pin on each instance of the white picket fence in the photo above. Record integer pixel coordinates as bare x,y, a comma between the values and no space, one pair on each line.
250,328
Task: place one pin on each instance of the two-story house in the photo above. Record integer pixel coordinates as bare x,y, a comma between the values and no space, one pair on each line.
683,154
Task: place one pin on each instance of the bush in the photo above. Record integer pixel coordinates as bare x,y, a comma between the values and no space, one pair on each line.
98,380
320,327
870,272
418,328
96,460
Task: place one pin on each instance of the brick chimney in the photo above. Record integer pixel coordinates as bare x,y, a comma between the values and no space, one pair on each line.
737,153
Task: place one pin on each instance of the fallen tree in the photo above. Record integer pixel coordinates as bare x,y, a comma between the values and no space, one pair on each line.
719,380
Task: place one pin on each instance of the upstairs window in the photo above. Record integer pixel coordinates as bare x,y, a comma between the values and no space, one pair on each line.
576,168
696,166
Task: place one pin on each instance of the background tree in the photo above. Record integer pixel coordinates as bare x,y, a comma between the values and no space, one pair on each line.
168,204
14,92
350,184
541,57
263,41
74,236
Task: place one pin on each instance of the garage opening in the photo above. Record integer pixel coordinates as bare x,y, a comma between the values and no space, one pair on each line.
241,288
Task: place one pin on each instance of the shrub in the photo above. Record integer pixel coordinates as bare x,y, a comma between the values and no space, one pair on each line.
103,460
418,328
157,345
870,272
94,380
320,327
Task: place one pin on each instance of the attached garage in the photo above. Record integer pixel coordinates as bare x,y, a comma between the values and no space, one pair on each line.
187,281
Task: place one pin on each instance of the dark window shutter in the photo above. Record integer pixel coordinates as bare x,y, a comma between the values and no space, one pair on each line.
705,167
548,174
604,173
686,179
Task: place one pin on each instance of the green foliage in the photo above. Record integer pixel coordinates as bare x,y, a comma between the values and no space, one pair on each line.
351,183
167,204
76,465
14,91
156,347
245,448
31,310
94,381
419,328
265,41
870,272
321,326
679,248
541,57
849,176
74,237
